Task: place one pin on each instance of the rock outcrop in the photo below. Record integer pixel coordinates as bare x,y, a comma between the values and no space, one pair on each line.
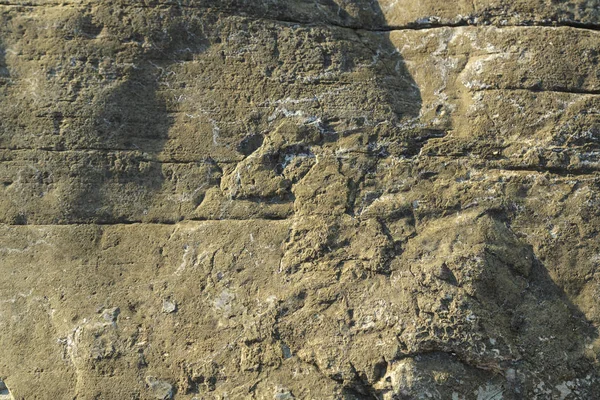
299,199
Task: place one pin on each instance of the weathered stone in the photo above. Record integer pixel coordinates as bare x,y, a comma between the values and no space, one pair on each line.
304,199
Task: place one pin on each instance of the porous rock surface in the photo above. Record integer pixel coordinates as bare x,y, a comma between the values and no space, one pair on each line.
299,199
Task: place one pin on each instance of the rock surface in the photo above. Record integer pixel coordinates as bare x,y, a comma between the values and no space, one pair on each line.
303,199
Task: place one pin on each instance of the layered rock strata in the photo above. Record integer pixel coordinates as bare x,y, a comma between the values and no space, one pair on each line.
327,199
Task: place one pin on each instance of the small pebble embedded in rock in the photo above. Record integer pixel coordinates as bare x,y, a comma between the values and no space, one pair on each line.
4,392
283,394
169,306
111,314
160,389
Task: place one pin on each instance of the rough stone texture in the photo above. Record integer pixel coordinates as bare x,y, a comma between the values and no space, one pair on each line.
330,199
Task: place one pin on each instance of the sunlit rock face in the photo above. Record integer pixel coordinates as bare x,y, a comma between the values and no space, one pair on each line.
300,199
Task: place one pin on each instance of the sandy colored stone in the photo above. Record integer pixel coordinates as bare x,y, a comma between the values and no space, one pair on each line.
302,199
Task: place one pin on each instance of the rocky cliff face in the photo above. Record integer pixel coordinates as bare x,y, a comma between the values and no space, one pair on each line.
303,199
